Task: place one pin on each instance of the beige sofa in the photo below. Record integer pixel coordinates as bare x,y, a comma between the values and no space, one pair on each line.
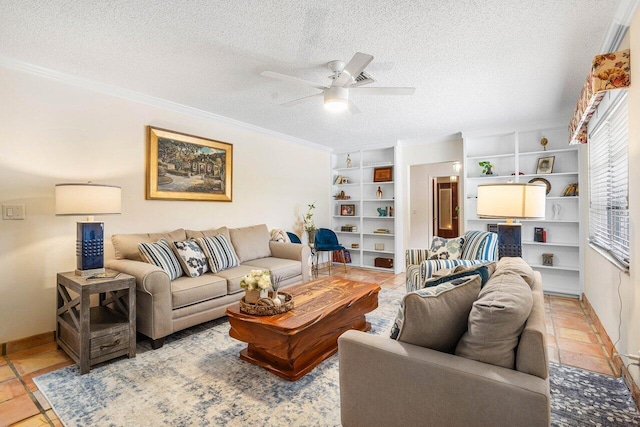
164,306
385,382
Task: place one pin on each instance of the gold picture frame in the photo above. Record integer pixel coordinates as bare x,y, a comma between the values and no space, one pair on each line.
384,174
187,167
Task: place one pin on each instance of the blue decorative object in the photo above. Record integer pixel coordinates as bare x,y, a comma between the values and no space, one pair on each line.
382,212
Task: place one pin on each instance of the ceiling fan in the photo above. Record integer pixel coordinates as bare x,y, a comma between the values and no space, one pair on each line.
346,78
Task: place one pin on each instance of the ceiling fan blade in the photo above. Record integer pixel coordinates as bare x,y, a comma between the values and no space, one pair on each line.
352,69
300,100
353,109
278,76
383,90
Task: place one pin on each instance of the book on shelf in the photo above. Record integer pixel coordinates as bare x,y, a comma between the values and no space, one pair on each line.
539,235
381,231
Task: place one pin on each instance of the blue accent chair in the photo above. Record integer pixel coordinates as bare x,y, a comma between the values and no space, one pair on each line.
327,241
294,237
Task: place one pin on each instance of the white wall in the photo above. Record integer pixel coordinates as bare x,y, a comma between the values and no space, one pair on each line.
52,132
601,278
415,153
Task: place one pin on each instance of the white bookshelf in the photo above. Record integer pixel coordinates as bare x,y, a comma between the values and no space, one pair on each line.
362,191
516,152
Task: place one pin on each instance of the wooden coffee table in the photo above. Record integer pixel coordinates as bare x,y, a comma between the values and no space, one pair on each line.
293,343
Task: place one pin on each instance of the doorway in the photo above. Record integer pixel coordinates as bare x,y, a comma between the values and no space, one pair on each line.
445,207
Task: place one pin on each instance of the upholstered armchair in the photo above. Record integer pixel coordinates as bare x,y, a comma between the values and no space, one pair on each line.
477,247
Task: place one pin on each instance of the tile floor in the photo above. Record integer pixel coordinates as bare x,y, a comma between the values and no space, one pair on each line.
571,339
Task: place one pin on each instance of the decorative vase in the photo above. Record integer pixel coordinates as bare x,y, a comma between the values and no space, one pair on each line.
264,293
252,296
276,299
312,237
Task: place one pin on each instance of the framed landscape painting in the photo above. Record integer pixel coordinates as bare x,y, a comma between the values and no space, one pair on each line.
187,167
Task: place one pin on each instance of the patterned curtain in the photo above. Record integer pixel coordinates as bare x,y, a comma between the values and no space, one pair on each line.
609,71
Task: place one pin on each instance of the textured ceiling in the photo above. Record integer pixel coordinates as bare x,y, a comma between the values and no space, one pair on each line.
474,63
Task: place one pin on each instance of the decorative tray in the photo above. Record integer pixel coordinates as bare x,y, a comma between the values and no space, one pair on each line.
266,306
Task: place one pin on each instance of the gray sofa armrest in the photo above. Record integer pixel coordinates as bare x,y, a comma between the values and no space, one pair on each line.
294,251
385,382
153,296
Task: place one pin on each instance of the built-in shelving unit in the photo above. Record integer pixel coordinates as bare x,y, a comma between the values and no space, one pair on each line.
362,193
515,158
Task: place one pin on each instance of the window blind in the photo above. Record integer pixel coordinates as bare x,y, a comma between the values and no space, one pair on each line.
609,184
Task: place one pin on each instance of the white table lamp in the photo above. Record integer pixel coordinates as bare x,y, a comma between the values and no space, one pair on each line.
88,200
511,201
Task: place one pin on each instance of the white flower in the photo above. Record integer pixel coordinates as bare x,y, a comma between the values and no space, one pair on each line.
256,279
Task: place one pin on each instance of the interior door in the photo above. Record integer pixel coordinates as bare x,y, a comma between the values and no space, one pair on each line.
446,217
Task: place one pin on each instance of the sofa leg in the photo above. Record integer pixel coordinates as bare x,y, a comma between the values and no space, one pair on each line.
156,344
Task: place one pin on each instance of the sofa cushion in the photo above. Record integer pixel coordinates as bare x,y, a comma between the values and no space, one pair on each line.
436,317
192,234
192,290
496,321
219,252
518,266
446,248
480,245
251,242
191,257
233,277
279,267
126,245
161,255
484,270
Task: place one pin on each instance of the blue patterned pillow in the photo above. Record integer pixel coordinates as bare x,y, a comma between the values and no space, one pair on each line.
161,255
192,258
219,252
446,248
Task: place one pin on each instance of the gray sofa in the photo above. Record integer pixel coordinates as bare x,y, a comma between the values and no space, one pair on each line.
164,306
384,382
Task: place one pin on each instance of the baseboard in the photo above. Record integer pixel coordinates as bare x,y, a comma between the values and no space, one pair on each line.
620,368
26,343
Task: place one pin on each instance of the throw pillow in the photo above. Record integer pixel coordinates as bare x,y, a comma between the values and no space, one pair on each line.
484,270
279,235
251,242
446,248
516,265
436,317
496,321
191,257
161,255
218,252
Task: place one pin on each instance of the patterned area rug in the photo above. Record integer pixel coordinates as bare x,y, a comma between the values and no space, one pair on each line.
197,378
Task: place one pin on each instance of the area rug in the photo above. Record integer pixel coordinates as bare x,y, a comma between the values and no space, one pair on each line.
198,379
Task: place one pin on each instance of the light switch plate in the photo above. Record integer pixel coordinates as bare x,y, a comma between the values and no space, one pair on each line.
12,211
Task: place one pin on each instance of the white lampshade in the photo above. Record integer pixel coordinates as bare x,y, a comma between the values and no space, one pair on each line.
88,199
511,200
336,98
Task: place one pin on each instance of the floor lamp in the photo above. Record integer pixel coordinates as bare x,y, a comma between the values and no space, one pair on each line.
88,200
511,201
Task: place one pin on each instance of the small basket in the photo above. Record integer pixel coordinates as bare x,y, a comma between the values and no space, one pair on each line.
266,306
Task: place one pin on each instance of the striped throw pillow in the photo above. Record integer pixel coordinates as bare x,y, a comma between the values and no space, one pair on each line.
219,252
161,255
480,245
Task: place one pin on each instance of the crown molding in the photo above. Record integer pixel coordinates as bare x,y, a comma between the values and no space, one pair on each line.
142,98
620,22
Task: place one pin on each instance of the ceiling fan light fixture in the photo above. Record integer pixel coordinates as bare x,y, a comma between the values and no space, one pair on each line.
336,98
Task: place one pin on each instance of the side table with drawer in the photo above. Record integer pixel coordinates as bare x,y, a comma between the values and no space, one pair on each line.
92,335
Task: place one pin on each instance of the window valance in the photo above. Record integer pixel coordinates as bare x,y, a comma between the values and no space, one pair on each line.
609,71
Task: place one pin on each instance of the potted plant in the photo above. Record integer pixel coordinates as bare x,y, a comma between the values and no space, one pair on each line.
309,225
256,284
486,167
